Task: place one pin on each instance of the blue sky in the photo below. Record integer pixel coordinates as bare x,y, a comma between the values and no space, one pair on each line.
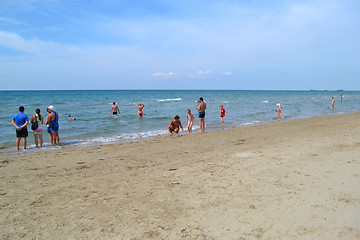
182,44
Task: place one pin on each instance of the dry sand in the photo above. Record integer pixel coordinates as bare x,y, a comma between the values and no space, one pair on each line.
288,180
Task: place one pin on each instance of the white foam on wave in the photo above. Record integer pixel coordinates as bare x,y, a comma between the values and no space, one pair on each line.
169,99
250,123
124,137
265,101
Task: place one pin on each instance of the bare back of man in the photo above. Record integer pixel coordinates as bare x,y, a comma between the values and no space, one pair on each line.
114,109
174,125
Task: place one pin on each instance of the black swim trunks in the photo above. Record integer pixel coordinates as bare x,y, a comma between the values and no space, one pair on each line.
201,114
114,113
23,133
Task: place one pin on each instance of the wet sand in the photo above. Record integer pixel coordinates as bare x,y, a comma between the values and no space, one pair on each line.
285,180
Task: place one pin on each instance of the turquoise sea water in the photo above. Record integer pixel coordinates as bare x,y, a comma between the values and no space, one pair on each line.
95,124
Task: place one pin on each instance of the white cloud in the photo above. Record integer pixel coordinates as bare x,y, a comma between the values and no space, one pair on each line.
228,73
201,72
33,46
163,75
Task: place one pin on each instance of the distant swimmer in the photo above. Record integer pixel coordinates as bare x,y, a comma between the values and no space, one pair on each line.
332,102
114,109
140,107
278,110
71,118
222,114
341,97
174,125
190,120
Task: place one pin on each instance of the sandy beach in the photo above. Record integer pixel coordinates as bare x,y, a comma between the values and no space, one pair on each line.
285,180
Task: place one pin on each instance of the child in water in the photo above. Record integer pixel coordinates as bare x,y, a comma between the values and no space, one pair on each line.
278,110
190,120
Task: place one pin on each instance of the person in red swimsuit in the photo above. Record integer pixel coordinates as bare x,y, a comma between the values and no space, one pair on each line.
140,107
222,114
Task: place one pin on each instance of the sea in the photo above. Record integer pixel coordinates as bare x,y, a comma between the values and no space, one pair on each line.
95,125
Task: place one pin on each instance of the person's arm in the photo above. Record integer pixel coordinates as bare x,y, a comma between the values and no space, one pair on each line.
17,127
48,119
32,119
20,127
42,120
181,127
169,128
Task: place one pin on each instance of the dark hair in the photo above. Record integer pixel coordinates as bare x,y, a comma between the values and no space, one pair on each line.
38,113
176,117
114,103
201,99
21,109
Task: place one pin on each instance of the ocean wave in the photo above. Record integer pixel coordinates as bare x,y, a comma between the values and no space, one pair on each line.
169,99
250,123
125,137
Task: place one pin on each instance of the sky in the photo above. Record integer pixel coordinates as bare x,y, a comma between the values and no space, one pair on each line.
182,44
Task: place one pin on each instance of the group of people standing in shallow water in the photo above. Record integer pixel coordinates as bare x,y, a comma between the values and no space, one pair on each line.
21,120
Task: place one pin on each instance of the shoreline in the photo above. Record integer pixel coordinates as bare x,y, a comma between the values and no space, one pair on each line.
79,143
294,179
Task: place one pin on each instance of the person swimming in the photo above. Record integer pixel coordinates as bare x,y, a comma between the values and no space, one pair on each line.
71,118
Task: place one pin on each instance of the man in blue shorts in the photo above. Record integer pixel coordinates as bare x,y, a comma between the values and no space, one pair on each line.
20,121
201,110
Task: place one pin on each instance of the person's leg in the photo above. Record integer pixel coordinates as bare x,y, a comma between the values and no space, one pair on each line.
170,129
50,137
53,137
41,139
18,143
36,139
24,142
57,137
202,124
